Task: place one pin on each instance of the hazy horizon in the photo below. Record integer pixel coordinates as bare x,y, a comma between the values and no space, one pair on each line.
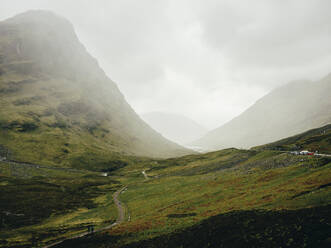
213,59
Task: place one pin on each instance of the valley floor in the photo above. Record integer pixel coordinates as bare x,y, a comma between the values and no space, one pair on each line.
263,197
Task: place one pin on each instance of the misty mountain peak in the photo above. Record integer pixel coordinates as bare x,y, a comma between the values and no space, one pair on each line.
290,109
47,43
40,18
50,80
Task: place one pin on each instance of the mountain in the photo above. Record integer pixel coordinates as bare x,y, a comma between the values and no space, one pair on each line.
286,111
57,105
318,139
175,127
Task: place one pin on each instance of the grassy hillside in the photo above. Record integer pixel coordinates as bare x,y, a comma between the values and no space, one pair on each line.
288,110
286,228
41,203
36,127
318,139
181,201
268,197
57,106
255,198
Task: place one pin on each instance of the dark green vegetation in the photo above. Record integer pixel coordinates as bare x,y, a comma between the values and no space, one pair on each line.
59,196
41,203
58,107
286,228
285,111
300,228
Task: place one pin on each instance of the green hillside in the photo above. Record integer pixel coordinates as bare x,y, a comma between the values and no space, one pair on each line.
267,197
255,198
58,107
45,203
318,139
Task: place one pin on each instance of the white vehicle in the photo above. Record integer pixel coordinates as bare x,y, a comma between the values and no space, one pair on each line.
306,153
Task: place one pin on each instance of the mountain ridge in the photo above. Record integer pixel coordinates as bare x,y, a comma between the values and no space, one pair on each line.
287,110
73,111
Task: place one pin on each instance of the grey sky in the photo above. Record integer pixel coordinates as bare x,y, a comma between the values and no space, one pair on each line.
205,59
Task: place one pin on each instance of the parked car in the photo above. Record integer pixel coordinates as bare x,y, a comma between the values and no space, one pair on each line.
306,153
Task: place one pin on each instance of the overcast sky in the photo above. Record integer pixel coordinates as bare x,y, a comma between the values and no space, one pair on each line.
206,59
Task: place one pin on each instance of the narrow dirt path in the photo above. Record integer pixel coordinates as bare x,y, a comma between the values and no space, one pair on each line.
120,219
120,208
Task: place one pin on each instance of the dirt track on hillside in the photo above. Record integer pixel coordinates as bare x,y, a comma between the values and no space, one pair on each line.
120,219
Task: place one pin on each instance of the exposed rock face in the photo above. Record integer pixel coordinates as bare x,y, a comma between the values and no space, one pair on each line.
47,78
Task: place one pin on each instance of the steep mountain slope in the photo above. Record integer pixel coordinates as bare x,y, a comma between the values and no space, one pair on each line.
288,110
56,103
318,139
178,128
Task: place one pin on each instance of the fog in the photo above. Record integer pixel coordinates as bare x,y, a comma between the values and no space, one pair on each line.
207,60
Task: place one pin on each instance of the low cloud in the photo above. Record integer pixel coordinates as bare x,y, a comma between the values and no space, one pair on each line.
206,59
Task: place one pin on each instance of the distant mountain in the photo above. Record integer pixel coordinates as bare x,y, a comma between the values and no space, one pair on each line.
56,103
175,127
286,111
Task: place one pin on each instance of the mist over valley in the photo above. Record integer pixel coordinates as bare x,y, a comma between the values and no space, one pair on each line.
165,124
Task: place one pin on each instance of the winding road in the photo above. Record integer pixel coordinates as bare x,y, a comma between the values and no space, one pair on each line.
315,154
120,208
322,155
120,219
